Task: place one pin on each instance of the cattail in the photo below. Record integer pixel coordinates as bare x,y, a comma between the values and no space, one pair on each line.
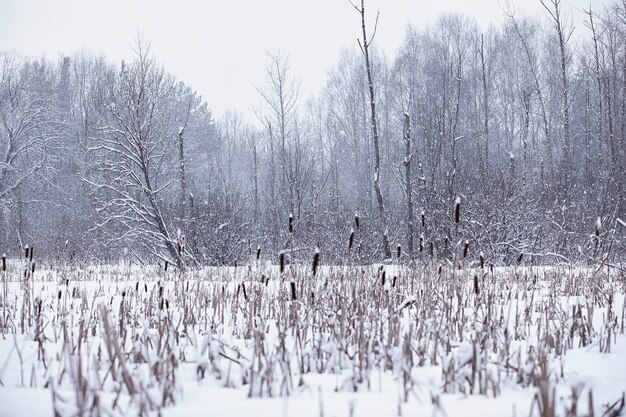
4,262
393,282
290,222
421,243
167,304
293,290
161,304
356,220
384,275
457,209
399,251
476,289
281,261
166,264
32,266
26,250
60,293
258,252
432,249
482,259
145,287
67,282
423,216
519,259
351,239
137,287
123,294
491,267
245,295
440,270
316,259
598,227
465,249
30,254
161,291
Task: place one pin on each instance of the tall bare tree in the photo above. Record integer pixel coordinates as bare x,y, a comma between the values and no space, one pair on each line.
365,47
132,147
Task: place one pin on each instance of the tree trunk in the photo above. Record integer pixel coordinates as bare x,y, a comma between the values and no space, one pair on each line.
409,189
379,196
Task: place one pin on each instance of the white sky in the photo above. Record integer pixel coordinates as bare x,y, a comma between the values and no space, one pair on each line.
219,46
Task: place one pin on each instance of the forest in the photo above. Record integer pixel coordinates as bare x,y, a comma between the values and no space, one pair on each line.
507,144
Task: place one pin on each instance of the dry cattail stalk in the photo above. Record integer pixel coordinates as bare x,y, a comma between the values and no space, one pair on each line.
316,259
457,210
281,261
293,290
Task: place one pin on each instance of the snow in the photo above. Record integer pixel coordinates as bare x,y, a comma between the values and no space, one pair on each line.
243,332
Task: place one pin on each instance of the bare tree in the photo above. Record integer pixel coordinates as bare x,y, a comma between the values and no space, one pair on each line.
26,117
365,45
555,11
130,156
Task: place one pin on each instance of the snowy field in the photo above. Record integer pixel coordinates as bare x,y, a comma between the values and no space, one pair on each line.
381,340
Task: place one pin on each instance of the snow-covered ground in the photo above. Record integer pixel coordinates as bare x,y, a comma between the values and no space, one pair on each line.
382,340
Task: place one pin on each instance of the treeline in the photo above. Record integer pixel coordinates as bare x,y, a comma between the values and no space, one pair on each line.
523,124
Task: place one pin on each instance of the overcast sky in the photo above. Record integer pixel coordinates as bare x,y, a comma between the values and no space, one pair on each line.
219,46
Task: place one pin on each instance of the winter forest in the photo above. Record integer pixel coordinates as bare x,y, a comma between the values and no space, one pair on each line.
437,231
525,123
